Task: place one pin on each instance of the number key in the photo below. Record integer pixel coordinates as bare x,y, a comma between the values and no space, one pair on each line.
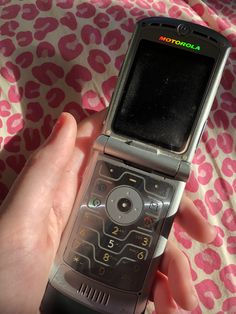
140,239
141,255
136,253
106,258
88,235
111,244
86,249
92,220
78,262
104,273
146,241
115,230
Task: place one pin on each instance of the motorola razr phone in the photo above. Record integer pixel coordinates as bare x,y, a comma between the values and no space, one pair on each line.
131,190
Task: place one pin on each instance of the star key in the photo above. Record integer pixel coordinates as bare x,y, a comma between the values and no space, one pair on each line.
76,259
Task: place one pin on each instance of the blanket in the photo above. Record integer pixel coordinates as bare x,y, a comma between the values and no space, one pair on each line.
65,55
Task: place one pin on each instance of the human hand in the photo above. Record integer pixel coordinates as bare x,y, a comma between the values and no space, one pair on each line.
37,208
173,285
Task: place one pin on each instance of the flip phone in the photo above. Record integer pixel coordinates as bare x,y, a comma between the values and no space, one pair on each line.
132,188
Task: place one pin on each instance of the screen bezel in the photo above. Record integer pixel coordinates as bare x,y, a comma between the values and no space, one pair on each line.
184,61
208,48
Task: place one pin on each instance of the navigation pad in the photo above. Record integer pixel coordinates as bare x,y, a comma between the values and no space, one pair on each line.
118,225
124,205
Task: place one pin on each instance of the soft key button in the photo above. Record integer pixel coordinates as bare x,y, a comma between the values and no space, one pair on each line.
159,188
110,171
102,187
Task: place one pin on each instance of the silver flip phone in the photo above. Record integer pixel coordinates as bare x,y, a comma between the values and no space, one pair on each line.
132,188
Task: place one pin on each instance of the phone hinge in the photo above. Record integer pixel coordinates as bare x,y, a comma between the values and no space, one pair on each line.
157,161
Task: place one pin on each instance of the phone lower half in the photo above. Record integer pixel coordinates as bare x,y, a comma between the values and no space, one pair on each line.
116,236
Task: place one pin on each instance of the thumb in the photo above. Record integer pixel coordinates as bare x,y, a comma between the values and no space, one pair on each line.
32,192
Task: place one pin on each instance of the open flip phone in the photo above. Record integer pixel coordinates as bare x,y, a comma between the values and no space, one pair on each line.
133,185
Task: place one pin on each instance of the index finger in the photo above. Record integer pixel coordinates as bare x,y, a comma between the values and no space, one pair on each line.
88,131
34,186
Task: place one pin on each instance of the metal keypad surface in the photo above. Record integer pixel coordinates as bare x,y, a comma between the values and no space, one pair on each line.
118,225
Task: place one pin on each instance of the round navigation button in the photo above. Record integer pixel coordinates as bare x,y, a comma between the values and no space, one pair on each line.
124,205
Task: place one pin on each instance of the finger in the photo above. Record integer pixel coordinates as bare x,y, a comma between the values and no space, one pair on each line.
176,267
194,223
163,301
88,131
34,188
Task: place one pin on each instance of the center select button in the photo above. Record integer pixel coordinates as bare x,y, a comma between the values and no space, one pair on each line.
124,205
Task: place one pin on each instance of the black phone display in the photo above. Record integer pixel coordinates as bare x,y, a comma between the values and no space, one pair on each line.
167,84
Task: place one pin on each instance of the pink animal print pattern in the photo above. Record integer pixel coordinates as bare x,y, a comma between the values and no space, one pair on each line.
65,55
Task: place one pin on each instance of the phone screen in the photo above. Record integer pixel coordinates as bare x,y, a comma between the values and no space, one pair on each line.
162,95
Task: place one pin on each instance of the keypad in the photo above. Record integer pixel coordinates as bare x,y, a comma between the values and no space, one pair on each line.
118,253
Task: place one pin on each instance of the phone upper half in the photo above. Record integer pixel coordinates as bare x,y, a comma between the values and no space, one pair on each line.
166,86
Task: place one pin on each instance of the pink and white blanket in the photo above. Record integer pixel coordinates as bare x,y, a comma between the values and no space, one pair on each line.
65,55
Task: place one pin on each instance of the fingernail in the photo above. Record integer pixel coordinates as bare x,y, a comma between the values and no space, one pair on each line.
181,311
57,127
213,232
194,299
